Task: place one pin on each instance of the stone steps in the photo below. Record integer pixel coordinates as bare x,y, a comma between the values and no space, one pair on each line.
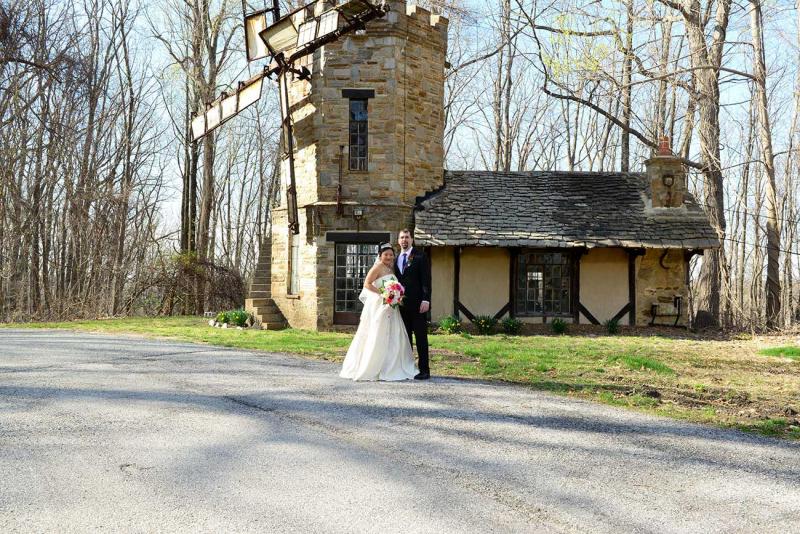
255,288
273,326
259,295
270,317
255,302
267,314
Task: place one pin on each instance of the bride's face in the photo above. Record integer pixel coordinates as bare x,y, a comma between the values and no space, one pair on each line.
387,258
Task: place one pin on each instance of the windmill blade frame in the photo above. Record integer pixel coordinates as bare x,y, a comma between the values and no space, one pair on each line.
227,106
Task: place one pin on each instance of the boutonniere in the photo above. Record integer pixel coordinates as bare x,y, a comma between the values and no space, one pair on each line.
410,259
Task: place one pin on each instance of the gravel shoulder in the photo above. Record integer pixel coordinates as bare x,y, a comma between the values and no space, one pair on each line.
120,433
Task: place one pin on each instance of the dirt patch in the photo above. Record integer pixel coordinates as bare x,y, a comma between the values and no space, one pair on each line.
449,357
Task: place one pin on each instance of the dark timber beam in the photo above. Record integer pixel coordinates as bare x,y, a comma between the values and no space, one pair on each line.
456,280
503,311
512,280
586,313
465,311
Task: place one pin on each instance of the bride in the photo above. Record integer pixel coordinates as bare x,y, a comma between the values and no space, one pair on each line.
380,349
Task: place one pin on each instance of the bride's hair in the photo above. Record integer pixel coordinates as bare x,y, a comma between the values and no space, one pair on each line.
383,247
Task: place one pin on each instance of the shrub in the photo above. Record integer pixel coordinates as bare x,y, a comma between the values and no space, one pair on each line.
450,325
233,318
612,325
559,326
485,324
238,317
511,326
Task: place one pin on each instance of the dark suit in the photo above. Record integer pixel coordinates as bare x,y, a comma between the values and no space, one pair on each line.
416,280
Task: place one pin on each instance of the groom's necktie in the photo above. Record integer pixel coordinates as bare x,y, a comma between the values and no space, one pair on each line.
403,262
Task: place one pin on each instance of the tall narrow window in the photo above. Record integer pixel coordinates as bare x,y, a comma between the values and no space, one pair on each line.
358,134
294,265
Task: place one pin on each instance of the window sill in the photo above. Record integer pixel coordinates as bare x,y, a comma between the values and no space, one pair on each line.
295,297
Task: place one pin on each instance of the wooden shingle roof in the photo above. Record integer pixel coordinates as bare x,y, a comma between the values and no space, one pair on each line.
556,209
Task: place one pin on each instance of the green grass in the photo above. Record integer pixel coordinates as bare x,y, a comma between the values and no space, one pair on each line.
636,363
778,426
193,329
784,352
708,381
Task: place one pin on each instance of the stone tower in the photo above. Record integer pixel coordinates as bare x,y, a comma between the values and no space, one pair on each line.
368,136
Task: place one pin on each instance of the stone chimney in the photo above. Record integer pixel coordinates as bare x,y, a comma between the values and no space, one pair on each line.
667,177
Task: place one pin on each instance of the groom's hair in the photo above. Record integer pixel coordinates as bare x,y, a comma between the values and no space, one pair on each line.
405,231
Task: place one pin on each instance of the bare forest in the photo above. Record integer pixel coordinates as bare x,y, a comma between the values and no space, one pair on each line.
107,208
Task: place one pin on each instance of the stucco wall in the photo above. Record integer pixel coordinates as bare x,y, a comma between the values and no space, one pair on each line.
442,282
484,281
604,283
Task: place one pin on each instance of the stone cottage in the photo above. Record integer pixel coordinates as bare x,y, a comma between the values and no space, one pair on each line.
368,125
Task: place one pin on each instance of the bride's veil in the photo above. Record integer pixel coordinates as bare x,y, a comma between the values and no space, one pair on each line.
364,291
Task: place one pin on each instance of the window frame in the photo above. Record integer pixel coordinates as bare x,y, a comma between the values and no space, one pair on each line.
350,317
293,280
571,260
356,162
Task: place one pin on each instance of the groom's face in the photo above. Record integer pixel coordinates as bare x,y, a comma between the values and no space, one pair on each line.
404,240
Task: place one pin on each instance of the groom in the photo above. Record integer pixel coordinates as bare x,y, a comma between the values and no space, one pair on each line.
414,273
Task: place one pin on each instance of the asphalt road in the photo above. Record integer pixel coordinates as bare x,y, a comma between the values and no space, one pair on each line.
101,433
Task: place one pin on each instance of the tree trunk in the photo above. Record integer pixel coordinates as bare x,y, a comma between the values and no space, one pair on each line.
773,285
627,67
707,61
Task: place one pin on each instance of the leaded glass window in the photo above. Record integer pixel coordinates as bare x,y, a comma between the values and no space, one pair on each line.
544,284
353,262
358,135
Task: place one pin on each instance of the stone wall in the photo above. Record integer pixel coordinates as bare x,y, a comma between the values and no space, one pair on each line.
376,219
661,170
300,309
657,285
401,58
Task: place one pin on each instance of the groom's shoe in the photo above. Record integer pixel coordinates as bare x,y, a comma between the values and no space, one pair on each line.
422,376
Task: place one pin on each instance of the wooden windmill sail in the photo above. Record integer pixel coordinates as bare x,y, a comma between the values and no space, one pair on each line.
284,42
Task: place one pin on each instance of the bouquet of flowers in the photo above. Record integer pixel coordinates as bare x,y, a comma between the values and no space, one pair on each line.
393,293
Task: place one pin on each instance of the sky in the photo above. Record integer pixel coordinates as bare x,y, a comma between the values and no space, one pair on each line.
781,59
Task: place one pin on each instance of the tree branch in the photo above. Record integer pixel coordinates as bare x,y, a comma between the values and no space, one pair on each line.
35,64
594,107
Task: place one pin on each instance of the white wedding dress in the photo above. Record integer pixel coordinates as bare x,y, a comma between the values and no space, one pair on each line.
380,349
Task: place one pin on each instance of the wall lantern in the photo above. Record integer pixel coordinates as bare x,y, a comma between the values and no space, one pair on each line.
668,180
358,214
